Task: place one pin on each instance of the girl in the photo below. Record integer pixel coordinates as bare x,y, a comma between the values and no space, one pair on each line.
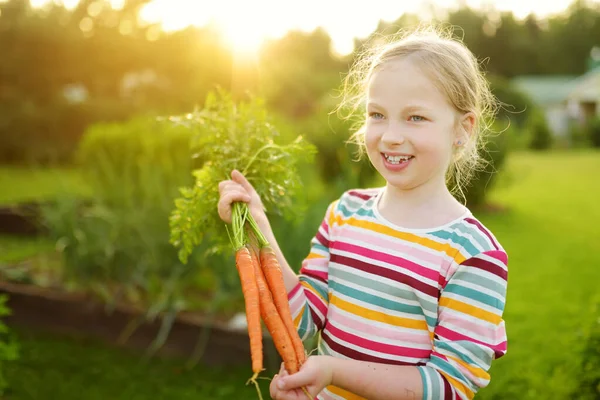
405,287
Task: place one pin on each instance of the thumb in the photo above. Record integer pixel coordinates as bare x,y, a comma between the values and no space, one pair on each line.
238,177
294,381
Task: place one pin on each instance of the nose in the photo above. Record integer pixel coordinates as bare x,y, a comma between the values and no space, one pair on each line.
393,135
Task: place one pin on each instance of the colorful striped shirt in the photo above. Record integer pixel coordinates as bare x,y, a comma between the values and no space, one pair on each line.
431,298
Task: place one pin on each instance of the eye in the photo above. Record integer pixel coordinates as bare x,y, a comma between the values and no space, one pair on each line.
375,115
416,118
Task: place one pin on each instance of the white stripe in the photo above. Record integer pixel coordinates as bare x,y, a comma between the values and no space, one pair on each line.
383,310
383,264
401,329
472,302
377,354
435,266
356,285
479,288
379,235
493,260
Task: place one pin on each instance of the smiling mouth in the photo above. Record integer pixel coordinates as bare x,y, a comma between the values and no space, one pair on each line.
397,159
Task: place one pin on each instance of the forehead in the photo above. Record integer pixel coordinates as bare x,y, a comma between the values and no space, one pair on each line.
404,81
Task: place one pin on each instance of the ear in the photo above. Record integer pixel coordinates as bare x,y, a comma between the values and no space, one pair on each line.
466,128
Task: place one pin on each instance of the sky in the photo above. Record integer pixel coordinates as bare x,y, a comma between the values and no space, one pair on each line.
247,22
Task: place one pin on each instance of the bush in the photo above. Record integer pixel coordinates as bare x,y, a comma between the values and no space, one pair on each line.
494,155
116,243
541,136
593,131
9,350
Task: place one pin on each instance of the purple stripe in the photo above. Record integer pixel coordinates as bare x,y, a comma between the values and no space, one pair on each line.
487,266
357,355
482,229
387,273
316,275
322,239
360,195
448,392
443,332
390,259
318,322
378,347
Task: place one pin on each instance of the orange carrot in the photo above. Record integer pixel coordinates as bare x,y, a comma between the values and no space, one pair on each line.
246,271
272,272
273,321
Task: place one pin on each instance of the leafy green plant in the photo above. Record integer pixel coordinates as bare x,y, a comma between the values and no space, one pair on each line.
9,349
540,134
115,243
228,136
588,387
593,131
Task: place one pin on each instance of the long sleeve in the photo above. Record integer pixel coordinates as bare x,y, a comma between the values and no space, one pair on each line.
470,332
309,299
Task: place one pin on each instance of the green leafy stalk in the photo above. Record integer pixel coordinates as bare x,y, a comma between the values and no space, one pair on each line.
228,136
239,216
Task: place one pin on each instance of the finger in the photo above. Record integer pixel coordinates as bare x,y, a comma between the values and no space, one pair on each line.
273,391
241,179
227,186
294,381
230,197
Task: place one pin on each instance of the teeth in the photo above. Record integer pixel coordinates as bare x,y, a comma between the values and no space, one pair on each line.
397,159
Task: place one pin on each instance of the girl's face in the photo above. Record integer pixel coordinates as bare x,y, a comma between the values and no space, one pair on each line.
410,129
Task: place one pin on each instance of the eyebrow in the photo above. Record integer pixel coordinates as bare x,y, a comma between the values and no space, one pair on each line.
409,108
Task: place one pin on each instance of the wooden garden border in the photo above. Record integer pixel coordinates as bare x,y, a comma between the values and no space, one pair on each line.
54,311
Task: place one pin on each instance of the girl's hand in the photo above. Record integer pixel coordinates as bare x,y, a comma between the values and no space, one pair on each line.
316,374
239,189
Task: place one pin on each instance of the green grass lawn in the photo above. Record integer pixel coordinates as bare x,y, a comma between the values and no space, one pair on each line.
551,235
550,230
58,368
27,183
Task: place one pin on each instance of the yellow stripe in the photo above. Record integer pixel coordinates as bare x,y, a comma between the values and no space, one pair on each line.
307,285
332,217
409,237
344,393
470,310
314,255
459,386
478,372
299,317
377,315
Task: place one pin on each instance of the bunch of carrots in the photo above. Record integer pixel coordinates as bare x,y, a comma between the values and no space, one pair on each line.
265,295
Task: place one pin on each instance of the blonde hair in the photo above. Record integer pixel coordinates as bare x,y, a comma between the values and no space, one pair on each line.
455,71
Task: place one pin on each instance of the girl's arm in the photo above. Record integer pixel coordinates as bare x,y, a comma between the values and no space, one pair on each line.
377,381
361,378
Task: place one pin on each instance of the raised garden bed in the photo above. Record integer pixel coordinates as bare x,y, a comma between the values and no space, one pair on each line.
78,314
20,219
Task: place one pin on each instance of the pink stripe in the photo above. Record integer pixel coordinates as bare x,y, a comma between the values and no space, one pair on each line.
393,260
295,290
321,276
498,349
483,331
308,263
316,302
384,349
397,245
296,303
379,331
